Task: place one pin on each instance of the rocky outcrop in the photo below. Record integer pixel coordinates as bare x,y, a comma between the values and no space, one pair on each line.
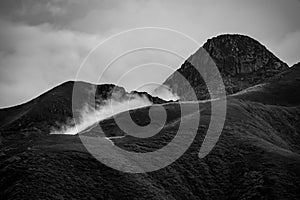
242,62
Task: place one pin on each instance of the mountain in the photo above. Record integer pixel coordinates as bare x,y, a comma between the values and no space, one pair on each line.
242,61
256,157
54,108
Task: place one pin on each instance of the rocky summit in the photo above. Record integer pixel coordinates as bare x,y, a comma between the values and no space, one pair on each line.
242,62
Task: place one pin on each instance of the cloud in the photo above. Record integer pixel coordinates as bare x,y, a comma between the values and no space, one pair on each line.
288,48
198,18
42,43
269,21
34,58
164,92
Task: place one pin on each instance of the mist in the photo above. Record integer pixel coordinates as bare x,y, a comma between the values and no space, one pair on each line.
165,93
90,116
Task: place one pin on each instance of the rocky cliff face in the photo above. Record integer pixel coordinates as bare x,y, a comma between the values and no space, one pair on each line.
242,62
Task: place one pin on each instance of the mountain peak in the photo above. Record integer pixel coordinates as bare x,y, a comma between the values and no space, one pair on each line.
242,61
239,54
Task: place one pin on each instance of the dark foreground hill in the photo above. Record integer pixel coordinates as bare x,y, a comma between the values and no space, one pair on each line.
256,157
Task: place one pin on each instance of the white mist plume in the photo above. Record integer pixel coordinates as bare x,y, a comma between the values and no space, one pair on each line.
164,92
89,116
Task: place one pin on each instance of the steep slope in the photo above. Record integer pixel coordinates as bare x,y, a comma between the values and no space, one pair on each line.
242,61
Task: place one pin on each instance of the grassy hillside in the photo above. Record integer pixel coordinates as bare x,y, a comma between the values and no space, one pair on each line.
256,157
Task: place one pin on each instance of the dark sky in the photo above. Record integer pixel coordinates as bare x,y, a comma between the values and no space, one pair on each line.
43,43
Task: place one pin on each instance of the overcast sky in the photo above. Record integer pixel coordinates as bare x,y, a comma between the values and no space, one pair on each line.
43,43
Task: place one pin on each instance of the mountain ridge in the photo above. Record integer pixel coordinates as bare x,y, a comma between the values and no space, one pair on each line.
257,155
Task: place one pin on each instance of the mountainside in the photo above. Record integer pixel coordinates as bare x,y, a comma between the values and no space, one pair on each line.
54,108
242,61
256,157
282,89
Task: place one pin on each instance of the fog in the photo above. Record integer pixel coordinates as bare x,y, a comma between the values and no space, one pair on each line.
90,116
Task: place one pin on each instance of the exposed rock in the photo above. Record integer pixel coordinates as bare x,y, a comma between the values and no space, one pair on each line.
242,62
